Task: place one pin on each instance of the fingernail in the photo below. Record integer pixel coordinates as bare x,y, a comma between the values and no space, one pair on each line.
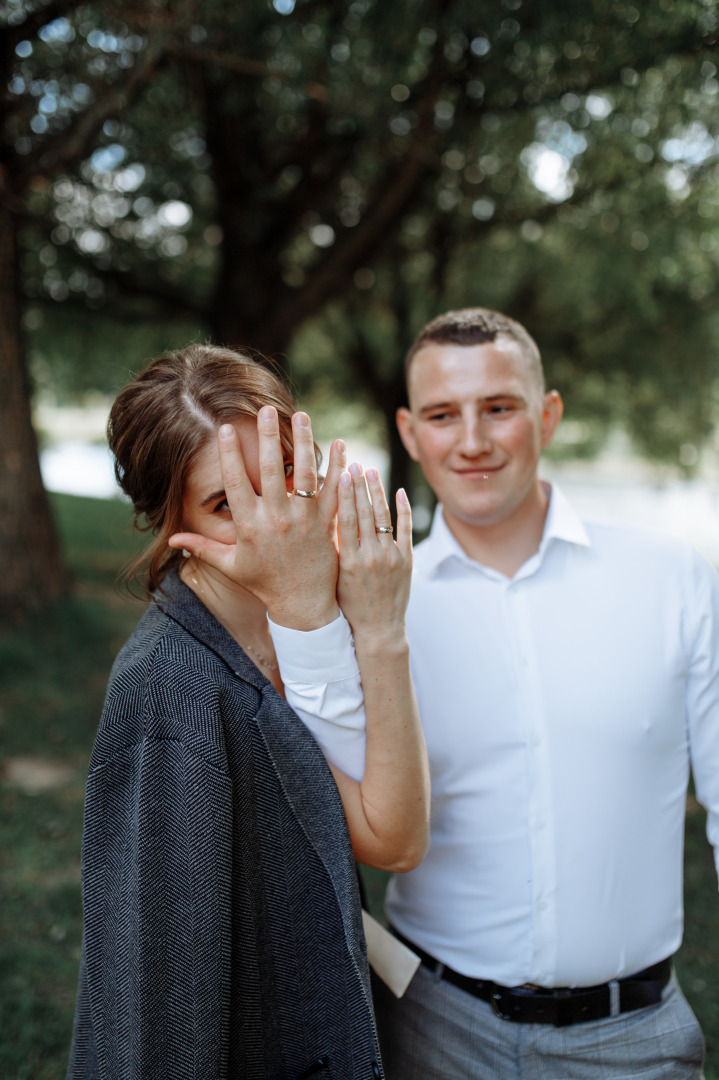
302,419
356,469
226,431
266,415
341,448
185,553
402,495
372,475
345,479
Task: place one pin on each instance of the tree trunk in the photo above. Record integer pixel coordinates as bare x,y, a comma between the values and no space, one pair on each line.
399,462
32,570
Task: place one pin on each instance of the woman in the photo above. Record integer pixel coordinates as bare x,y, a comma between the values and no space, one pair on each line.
222,925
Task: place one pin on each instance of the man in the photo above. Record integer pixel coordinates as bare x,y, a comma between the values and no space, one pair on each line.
566,674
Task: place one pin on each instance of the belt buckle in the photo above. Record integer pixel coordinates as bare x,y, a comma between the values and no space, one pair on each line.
548,1005
561,1018
495,1002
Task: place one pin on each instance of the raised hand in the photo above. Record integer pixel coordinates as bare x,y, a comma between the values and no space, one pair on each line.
284,551
375,571
388,811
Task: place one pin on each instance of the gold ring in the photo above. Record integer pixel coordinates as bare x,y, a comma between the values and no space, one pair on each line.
305,494
383,529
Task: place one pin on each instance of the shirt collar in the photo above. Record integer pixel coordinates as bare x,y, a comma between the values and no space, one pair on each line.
562,523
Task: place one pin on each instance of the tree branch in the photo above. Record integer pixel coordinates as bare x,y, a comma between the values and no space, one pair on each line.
395,191
358,244
13,33
68,145
216,58
166,297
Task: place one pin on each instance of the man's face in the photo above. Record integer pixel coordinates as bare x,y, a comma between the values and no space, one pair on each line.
477,422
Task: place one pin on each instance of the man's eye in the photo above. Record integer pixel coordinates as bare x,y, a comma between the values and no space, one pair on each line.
289,469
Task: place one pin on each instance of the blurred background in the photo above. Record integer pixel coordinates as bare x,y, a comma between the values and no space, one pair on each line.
316,179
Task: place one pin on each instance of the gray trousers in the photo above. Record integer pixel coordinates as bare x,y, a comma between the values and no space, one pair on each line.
439,1032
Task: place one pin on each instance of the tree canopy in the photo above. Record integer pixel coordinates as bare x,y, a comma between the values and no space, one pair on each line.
316,178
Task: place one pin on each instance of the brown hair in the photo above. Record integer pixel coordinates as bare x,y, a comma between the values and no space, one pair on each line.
476,326
160,422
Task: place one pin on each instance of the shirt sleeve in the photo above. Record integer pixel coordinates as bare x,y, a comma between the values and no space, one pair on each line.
702,699
322,684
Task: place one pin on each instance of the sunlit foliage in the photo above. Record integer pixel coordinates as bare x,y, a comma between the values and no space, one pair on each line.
286,173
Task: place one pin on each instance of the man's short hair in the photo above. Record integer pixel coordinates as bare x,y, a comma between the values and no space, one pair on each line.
476,326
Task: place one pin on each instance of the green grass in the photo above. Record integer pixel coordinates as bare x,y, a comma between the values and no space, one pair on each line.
53,674
698,959
52,681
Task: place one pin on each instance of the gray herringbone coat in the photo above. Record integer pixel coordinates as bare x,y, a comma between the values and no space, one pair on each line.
223,933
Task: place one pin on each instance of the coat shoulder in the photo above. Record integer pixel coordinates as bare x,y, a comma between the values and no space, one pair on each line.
167,684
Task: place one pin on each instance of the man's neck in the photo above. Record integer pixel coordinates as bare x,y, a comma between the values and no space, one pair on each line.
504,545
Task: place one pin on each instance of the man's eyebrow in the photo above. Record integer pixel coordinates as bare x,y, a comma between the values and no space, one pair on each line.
437,405
505,397
211,498
508,396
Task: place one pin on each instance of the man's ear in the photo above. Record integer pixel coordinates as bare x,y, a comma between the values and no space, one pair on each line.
405,426
552,409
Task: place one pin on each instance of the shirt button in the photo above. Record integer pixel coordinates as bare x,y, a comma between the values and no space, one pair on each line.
540,825
536,740
542,905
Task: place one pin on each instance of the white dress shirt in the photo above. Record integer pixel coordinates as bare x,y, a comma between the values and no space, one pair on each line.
322,684
561,709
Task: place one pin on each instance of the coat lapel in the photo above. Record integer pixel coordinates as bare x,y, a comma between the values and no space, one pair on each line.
300,764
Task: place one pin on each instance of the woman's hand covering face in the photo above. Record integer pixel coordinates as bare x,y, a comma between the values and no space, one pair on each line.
285,549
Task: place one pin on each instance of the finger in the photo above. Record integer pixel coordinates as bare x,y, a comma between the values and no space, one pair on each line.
380,509
404,524
272,466
365,517
220,556
238,490
328,494
305,463
347,527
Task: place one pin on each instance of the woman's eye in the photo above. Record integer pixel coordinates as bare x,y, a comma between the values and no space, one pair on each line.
222,507
289,469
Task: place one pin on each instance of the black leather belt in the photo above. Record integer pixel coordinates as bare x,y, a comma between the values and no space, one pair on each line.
559,1006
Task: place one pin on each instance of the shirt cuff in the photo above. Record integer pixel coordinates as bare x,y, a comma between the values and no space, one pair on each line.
325,655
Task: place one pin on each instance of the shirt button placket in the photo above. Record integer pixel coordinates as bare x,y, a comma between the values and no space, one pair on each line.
530,700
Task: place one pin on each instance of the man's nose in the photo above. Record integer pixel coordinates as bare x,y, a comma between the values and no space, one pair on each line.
473,437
